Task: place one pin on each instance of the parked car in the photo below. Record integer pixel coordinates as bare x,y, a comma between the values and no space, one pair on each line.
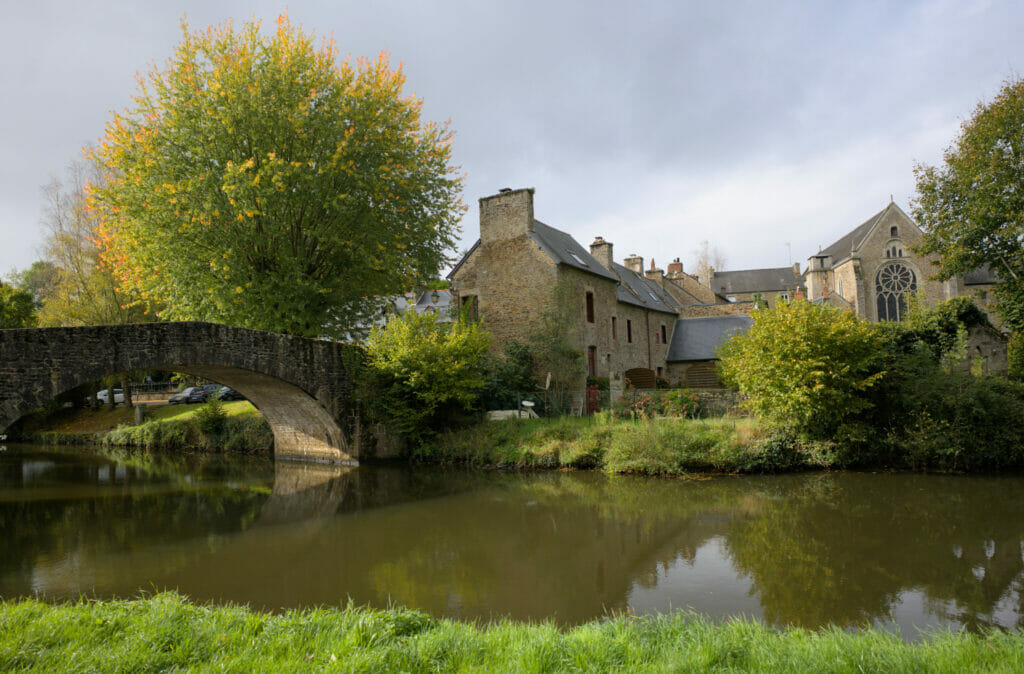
103,397
193,394
226,393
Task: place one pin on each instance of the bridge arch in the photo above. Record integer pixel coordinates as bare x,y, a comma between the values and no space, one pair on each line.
302,387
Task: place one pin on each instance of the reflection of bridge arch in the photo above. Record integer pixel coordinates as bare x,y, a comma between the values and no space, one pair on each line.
301,386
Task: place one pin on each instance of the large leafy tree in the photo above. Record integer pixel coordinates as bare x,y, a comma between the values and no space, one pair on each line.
972,206
256,181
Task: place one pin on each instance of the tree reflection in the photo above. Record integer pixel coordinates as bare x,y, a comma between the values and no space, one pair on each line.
843,548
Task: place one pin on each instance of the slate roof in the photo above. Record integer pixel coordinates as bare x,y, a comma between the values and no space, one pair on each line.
699,338
753,280
636,289
844,247
564,249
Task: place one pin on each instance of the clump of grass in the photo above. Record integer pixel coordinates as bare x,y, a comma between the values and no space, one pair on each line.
659,446
166,632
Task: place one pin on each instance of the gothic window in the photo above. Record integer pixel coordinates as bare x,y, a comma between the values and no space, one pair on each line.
892,285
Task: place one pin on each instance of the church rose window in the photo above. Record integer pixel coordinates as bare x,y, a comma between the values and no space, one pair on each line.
892,285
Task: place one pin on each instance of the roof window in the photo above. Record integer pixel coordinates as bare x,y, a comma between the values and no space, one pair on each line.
577,258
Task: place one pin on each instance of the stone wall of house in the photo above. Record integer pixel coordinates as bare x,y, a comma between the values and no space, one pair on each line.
510,276
636,341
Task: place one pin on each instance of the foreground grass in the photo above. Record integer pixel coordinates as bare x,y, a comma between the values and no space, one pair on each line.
167,632
659,446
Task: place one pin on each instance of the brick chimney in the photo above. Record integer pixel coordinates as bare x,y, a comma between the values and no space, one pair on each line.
506,215
675,268
655,274
634,263
602,252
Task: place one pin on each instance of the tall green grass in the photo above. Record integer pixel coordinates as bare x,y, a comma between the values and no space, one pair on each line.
659,446
166,632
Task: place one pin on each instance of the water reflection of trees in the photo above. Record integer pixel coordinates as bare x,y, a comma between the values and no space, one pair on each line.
59,506
818,549
843,548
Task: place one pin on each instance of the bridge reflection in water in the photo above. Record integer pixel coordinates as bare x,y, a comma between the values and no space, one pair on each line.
900,550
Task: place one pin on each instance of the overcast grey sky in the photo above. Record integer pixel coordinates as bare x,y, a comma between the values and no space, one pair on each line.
653,124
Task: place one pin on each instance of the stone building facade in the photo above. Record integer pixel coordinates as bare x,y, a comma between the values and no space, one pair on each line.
874,269
619,318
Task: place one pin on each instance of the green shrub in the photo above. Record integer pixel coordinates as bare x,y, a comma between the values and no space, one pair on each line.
805,367
423,376
211,416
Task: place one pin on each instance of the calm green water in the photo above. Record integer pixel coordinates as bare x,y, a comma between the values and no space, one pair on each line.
898,551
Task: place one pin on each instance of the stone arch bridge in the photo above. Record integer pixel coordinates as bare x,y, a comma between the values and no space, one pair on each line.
303,387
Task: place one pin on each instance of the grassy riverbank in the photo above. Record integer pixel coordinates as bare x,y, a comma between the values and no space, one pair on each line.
659,446
241,428
167,632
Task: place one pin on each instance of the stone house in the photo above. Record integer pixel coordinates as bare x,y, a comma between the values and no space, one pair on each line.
620,319
778,284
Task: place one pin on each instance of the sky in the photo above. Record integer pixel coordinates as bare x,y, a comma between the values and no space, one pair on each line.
767,129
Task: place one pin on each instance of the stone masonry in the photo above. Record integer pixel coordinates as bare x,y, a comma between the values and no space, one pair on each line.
303,387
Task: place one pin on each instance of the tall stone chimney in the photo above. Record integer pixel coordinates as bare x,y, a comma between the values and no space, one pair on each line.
506,215
602,252
634,263
796,269
655,274
675,268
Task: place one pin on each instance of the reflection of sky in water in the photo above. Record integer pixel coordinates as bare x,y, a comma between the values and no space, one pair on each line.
709,585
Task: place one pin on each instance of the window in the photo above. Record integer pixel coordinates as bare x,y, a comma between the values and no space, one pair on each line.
578,259
629,331
784,297
613,328
664,335
590,307
591,361
892,285
470,306
894,231
659,373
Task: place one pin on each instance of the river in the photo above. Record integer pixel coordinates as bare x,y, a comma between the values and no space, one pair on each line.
903,552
